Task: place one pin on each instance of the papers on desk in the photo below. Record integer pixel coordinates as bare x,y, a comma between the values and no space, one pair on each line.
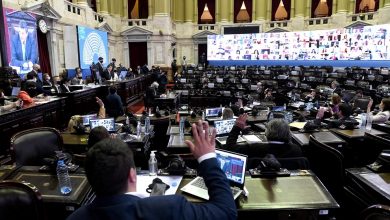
298,125
143,181
251,138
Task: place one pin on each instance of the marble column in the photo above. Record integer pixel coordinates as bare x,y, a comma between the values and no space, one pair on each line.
178,9
124,11
387,3
299,8
224,10
82,2
260,12
189,10
342,6
104,7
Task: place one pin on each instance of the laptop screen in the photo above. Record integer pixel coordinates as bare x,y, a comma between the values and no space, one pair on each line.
224,126
86,118
123,74
278,108
233,165
15,91
108,123
213,112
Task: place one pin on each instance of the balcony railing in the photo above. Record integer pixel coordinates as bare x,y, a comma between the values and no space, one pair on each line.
74,9
207,27
363,16
279,24
317,21
136,22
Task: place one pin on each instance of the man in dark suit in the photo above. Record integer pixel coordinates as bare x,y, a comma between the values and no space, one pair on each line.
111,172
114,106
24,48
98,73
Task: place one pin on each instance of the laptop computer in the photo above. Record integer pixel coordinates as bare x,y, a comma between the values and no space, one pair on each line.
277,108
213,112
232,164
223,128
123,75
108,123
86,118
15,91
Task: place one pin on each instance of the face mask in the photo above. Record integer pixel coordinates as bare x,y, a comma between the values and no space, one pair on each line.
101,61
80,77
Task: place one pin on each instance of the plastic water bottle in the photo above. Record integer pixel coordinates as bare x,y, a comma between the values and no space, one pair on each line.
153,169
288,117
127,120
284,107
181,128
203,116
369,122
147,125
138,130
63,178
363,120
157,109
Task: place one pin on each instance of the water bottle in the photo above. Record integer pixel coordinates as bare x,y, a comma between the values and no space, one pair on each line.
284,107
153,169
147,125
63,178
157,109
127,120
270,116
369,122
181,128
203,116
363,120
139,130
288,117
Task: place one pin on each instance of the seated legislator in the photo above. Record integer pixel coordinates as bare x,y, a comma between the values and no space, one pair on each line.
114,106
278,140
312,96
111,172
342,119
78,79
383,115
268,97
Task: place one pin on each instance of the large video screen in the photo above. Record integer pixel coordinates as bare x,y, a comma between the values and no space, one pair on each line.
92,45
21,38
365,43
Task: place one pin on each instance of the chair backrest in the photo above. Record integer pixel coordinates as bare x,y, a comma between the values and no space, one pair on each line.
362,103
20,200
29,147
376,212
327,163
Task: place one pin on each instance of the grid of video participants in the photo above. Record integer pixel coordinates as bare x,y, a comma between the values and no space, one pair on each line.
364,43
224,126
232,167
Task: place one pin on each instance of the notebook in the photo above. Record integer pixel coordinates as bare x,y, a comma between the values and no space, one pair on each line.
213,112
232,164
108,123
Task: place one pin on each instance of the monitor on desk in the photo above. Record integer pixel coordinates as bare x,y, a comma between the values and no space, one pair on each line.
213,112
219,80
108,123
210,85
253,87
86,118
183,80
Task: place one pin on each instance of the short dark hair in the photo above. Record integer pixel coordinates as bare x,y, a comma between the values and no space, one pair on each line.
386,104
100,58
345,109
278,130
107,167
112,89
30,75
113,59
97,134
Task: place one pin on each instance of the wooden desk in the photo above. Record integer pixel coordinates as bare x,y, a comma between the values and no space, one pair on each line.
177,146
303,195
373,188
172,101
48,113
326,137
382,127
57,205
355,133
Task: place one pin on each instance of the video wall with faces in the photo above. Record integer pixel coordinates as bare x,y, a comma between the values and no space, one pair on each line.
364,43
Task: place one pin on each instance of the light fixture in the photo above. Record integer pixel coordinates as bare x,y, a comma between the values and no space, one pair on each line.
322,9
206,15
243,15
281,13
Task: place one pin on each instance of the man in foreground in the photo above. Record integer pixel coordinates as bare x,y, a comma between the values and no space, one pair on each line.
111,172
